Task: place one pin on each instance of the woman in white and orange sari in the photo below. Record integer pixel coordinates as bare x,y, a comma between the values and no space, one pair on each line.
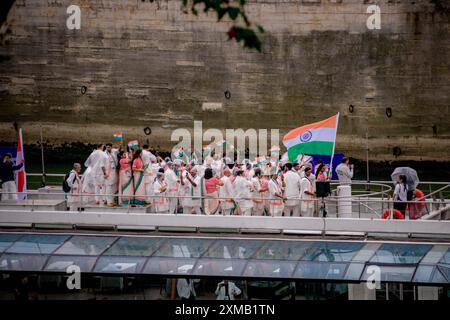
209,193
138,179
125,179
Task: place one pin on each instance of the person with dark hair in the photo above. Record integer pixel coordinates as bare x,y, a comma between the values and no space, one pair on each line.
276,193
138,179
257,194
210,196
321,171
345,171
125,178
226,192
307,194
74,182
400,194
316,167
292,191
7,168
111,176
242,193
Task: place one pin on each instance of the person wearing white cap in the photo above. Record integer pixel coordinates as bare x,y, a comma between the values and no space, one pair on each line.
160,203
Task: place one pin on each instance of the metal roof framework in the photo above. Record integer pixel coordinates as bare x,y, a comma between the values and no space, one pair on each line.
196,257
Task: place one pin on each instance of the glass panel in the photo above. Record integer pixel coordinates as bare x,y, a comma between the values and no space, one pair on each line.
168,266
34,243
119,264
434,255
6,240
438,277
269,268
60,263
366,252
183,248
446,258
219,267
393,273
354,271
400,253
233,249
320,270
131,246
22,262
85,245
423,274
445,270
283,250
332,251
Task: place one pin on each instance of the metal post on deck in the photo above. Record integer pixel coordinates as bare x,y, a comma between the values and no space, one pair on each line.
173,292
42,159
367,157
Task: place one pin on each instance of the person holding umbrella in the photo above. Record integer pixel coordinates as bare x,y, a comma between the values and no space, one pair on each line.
400,194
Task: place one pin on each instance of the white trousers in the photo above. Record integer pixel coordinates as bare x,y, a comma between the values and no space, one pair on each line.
9,186
226,212
111,189
258,209
295,211
307,211
172,204
99,192
191,210
246,211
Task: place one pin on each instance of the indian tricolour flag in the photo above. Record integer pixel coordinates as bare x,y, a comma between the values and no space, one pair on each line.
315,138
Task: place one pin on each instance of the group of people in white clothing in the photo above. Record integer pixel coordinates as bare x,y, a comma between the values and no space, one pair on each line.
136,177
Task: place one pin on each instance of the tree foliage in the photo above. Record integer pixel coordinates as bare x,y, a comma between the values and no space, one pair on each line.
242,30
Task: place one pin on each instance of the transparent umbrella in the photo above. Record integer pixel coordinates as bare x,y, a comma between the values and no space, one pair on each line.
412,180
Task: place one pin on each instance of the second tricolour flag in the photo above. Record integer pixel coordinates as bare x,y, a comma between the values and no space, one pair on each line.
317,138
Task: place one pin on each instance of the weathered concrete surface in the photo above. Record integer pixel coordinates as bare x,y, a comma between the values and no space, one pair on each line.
148,64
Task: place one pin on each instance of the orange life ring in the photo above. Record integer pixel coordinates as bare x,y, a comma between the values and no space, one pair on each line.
397,214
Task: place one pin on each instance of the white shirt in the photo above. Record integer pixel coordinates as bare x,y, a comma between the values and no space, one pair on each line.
345,174
172,180
233,290
306,184
225,191
274,188
147,157
96,160
293,187
400,192
242,192
256,186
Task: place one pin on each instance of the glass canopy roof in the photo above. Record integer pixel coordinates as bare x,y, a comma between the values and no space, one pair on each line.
225,257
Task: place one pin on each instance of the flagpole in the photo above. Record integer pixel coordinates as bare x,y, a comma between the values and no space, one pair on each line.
334,146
